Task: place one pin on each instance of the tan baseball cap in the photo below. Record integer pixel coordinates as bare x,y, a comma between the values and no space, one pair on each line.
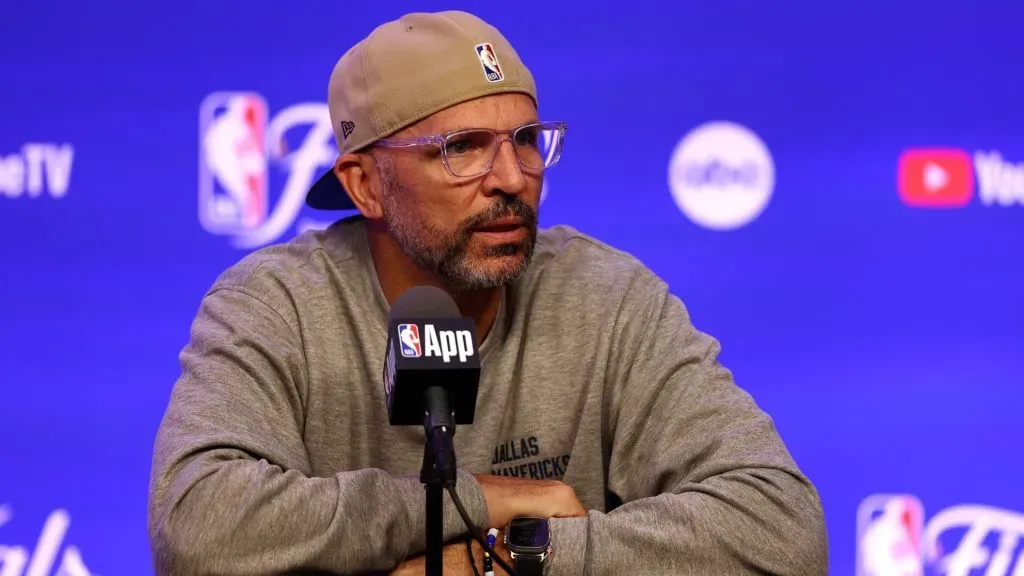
406,70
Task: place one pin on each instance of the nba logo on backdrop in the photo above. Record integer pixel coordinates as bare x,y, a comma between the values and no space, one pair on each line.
889,533
936,178
492,70
409,337
233,162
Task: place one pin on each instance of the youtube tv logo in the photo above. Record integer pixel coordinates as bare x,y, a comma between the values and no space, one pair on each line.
936,178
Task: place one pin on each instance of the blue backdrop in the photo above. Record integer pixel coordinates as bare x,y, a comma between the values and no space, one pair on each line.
835,189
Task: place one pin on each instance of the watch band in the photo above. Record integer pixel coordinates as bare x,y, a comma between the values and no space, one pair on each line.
528,565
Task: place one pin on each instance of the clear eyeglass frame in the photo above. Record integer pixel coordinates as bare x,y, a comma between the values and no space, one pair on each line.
557,129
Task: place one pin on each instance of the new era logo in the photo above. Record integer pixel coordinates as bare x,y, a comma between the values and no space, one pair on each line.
489,61
936,178
346,129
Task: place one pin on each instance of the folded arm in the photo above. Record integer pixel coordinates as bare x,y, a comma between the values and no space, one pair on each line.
708,485
232,489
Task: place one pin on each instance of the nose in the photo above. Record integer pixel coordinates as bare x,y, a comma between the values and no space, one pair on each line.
506,175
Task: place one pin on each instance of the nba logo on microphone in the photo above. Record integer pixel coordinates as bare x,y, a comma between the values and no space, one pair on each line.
492,70
889,530
409,338
232,162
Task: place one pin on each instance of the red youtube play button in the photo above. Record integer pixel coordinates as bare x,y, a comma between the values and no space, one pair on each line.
936,178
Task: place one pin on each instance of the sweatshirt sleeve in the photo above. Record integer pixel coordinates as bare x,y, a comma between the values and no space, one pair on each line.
707,485
232,490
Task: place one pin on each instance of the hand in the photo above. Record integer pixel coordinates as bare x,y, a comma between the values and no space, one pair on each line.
456,560
508,497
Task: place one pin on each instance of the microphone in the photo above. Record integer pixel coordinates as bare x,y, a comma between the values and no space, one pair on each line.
431,378
432,370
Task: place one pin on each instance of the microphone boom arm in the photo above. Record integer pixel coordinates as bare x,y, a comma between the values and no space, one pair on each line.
438,471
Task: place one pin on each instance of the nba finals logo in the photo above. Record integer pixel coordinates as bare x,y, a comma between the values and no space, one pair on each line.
241,151
895,539
492,70
51,554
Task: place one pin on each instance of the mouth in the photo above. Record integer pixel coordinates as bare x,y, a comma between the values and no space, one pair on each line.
504,231
501,226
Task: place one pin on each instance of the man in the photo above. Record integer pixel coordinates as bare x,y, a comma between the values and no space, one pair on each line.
602,411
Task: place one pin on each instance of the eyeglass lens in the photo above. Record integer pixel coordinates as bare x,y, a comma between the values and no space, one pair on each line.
472,152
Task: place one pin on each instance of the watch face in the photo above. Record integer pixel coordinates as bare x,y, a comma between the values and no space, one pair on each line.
529,533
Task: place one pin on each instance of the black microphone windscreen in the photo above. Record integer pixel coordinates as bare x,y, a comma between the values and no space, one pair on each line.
430,346
424,302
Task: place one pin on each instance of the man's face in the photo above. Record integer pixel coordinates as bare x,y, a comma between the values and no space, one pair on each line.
475,232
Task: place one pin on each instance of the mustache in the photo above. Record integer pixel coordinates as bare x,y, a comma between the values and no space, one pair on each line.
507,207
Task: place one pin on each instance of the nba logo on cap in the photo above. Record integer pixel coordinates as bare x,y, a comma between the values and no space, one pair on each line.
409,337
492,70
889,531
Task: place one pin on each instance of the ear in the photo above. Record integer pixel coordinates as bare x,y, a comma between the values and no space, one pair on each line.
357,172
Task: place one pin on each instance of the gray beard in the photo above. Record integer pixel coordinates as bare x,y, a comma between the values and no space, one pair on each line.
445,254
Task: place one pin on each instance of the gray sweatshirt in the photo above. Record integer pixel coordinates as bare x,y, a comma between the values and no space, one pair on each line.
275,454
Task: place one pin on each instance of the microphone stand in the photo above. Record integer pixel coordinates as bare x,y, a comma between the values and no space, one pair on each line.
438,471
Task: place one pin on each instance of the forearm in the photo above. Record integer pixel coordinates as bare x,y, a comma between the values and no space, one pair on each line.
708,484
249,517
747,521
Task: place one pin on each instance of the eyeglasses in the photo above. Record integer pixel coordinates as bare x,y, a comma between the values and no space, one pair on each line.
471,152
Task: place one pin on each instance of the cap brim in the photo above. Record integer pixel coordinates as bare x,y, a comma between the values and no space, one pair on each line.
327,193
